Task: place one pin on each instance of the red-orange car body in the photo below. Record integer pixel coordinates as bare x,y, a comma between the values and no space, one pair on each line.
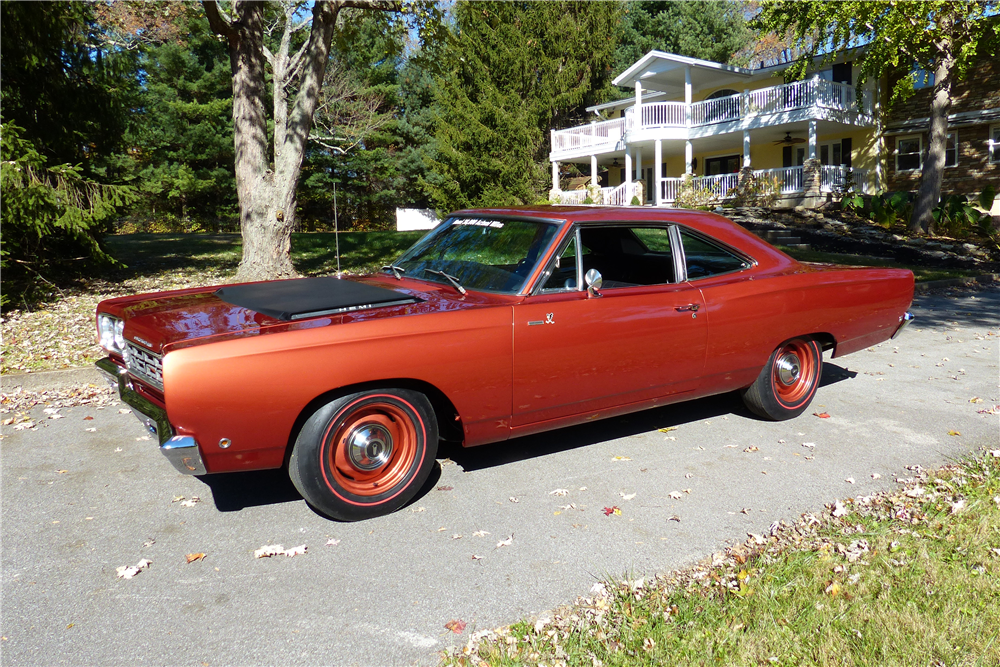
234,376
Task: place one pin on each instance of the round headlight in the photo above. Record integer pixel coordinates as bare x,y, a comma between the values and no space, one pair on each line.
120,334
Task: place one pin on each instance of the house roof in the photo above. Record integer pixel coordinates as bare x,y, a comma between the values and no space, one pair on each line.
664,72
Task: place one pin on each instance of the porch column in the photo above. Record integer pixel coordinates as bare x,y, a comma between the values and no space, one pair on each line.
593,170
628,166
638,164
813,125
658,171
638,105
555,175
688,157
746,148
687,95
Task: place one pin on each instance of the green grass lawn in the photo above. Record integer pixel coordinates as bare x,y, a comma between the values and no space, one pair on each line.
312,253
920,273
908,577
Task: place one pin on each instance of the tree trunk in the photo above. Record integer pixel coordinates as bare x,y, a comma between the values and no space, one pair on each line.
929,194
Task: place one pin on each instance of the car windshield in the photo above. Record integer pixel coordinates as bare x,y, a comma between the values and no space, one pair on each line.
488,254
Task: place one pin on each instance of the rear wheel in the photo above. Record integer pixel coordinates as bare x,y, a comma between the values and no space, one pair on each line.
787,383
365,454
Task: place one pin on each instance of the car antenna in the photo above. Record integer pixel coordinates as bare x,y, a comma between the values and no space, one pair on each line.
336,230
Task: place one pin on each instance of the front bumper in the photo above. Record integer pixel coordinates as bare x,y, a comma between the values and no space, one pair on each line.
181,450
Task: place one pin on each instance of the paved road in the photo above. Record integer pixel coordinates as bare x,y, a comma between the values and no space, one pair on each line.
383,594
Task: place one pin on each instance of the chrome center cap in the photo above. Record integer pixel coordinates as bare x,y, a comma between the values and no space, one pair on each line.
369,447
788,369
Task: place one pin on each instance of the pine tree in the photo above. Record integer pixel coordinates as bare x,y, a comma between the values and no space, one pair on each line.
513,71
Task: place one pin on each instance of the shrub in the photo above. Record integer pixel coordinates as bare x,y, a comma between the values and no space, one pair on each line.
956,216
635,201
689,196
757,190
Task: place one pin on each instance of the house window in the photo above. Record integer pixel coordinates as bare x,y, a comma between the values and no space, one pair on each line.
951,150
908,153
922,78
995,144
729,164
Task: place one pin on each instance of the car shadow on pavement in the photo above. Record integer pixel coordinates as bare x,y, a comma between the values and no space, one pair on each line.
234,491
552,442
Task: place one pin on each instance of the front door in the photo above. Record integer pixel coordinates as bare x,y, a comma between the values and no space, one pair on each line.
643,338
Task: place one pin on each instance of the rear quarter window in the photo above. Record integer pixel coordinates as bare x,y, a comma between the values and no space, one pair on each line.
704,258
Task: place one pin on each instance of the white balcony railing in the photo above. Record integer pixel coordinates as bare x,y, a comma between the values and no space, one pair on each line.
815,93
789,178
718,185
605,133
621,195
834,178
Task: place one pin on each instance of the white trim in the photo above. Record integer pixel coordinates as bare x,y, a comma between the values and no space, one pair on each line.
947,137
992,144
920,153
633,73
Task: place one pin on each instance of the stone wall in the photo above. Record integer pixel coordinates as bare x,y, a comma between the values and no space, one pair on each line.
979,90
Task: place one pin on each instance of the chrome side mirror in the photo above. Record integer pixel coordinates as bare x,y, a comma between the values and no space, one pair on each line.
593,281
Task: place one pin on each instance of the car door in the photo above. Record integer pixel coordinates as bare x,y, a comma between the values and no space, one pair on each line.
642,337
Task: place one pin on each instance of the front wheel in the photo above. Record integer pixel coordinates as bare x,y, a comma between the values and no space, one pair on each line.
365,454
787,383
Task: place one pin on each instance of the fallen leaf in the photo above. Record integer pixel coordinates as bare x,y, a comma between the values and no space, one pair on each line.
810,445
25,425
975,399
954,433
957,506
177,499
608,511
126,572
559,492
481,533
752,448
507,542
833,589
915,492
674,518
88,418
269,550
475,557
193,557
688,475
849,480
838,509
513,499
124,411
441,529
456,536
822,415
745,510
625,496
191,502
90,430
62,472
875,475
455,626
668,429
332,542
676,495
296,551
620,458
418,509
445,488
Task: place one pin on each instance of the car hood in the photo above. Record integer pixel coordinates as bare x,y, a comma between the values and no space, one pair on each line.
166,320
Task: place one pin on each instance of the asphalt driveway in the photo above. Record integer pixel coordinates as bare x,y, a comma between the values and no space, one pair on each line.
81,497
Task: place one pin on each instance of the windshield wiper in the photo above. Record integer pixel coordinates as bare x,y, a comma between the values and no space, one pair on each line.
397,271
452,279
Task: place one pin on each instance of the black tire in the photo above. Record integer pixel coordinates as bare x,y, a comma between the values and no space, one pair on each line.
365,454
787,383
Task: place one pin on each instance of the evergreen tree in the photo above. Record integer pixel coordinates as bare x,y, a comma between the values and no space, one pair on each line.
513,71
182,146
712,30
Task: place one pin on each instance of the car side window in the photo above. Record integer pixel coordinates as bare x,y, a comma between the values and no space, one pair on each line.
629,256
704,258
563,276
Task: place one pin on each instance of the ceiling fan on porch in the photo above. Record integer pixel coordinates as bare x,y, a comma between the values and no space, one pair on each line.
789,140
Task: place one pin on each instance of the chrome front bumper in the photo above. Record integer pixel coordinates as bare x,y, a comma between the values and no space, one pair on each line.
904,321
181,450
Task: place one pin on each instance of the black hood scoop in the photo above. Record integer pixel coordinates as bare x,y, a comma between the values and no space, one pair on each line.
310,297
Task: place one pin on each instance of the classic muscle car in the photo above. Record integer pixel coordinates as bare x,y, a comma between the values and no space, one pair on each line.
498,323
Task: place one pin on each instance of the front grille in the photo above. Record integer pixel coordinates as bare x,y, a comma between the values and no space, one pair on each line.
144,364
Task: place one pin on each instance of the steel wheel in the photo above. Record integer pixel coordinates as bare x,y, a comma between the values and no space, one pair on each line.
365,454
787,383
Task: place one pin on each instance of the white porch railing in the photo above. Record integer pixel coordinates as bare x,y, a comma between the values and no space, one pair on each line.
621,195
818,93
669,187
789,178
606,133
573,196
833,178
718,185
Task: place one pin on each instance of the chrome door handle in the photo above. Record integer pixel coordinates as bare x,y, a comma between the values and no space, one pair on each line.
693,307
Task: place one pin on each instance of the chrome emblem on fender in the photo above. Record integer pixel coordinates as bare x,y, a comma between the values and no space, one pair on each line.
548,318
143,341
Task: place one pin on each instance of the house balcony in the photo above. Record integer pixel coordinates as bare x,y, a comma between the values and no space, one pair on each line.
815,99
